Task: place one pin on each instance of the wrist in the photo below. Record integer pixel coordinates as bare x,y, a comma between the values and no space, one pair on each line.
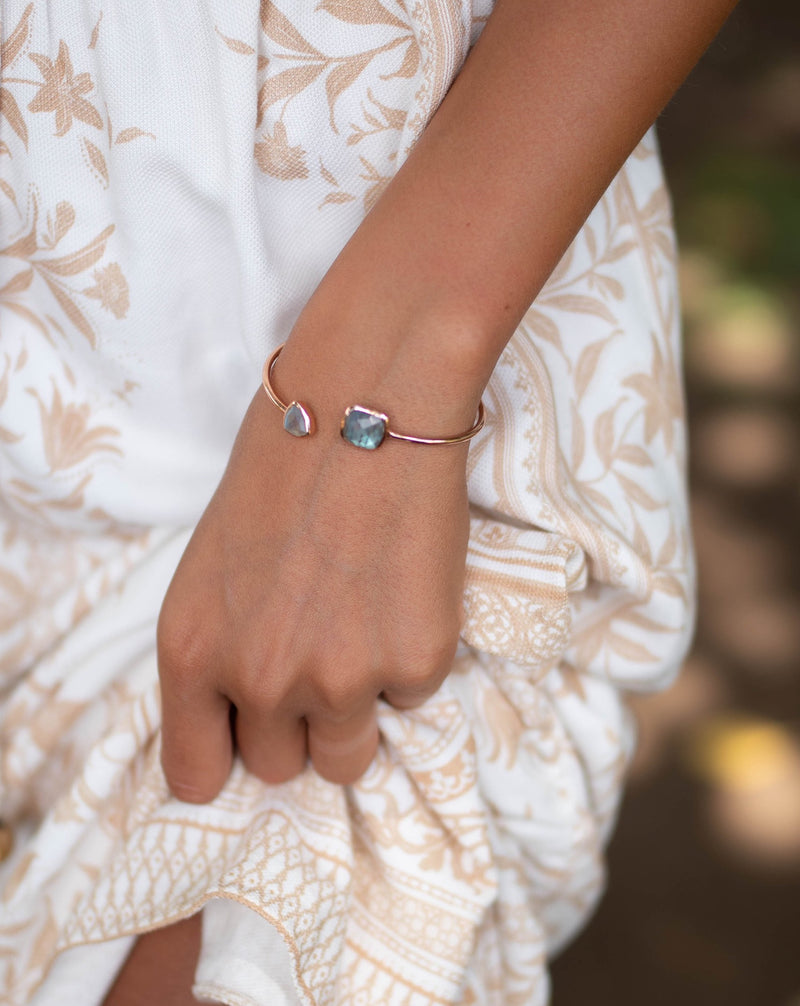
418,371
363,426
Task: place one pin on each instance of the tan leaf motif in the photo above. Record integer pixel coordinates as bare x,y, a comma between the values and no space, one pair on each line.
410,64
618,251
662,392
591,241
280,29
65,218
8,191
18,875
604,434
286,84
670,585
669,548
596,497
131,133
95,32
5,149
4,382
235,44
72,311
24,486
634,454
641,544
361,12
329,178
622,203
26,245
630,649
543,326
339,79
609,284
580,303
662,241
96,159
395,117
76,262
636,493
587,365
371,174
12,46
25,312
9,109
578,438
656,206
337,197
46,940
19,282
277,158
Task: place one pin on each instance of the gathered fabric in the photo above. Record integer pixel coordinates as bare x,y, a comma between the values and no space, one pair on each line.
175,180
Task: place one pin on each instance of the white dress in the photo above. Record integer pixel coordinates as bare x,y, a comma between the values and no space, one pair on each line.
175,179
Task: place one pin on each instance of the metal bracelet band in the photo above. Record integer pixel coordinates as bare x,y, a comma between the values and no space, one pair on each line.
360,426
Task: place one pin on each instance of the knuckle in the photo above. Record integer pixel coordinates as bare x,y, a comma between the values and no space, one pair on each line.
434,661
424,676
182,647
252,676
339,698
264,686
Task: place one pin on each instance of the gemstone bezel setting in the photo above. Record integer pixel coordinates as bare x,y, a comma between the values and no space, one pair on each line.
363,427
297,420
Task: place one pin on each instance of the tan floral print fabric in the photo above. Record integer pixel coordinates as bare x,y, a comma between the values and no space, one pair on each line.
174,181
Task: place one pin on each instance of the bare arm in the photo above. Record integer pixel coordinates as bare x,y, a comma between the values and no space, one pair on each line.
549,104
321,576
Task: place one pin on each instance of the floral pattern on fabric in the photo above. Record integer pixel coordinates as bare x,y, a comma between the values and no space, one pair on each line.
145,273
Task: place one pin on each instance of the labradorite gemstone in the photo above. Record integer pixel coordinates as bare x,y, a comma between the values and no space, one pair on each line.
296,421
363,427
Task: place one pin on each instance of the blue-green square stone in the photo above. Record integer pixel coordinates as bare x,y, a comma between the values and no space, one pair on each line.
363,427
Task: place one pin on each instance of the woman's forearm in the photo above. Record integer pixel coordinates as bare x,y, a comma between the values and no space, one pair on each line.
550,102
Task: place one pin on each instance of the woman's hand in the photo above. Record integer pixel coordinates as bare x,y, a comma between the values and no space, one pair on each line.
319,577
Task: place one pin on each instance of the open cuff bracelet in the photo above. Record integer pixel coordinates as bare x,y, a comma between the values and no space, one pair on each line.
360,426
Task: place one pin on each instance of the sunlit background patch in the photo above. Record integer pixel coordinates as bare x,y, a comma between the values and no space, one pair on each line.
703,906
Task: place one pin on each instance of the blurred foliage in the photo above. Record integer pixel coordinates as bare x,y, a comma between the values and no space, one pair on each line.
744,210
703,905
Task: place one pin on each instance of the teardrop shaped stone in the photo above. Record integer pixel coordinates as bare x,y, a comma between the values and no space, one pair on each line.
297,421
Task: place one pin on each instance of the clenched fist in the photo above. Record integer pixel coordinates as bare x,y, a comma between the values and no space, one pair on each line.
319,577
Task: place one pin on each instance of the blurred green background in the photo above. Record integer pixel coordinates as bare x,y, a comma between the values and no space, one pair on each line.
703,904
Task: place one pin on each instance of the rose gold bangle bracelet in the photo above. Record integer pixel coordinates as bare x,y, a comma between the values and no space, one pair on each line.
360,426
